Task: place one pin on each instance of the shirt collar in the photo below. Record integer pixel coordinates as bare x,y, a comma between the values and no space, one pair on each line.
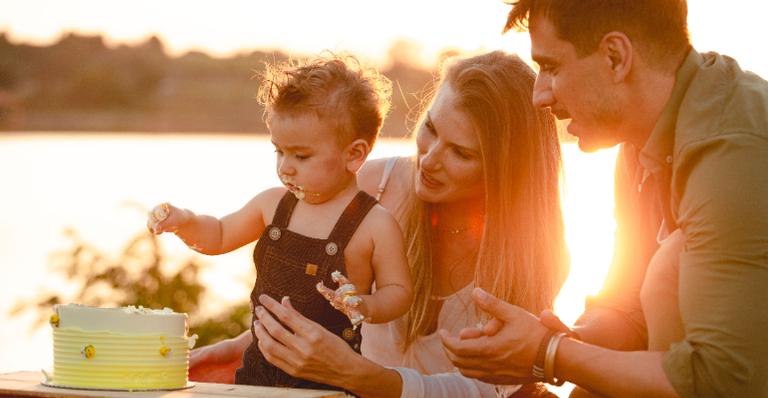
657,151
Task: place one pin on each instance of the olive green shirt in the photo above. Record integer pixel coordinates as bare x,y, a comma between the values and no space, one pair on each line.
709,155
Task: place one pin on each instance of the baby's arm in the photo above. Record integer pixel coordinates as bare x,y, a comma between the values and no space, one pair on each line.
210,235
394,289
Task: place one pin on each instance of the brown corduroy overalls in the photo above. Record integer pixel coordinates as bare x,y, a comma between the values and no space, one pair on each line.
290,264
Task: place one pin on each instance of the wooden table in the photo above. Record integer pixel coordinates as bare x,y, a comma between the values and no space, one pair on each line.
27,384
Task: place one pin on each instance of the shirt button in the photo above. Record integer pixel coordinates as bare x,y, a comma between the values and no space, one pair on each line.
639,187
669,159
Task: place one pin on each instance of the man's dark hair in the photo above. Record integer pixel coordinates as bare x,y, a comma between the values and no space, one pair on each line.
657,28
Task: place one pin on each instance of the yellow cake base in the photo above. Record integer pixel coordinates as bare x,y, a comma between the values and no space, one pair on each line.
112,360
48,384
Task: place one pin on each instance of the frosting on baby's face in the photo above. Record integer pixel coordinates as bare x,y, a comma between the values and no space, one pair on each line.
296,189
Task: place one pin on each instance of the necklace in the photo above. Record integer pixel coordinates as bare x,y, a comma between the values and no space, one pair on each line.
453,231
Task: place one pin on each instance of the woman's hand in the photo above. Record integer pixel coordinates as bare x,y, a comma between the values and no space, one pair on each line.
307,350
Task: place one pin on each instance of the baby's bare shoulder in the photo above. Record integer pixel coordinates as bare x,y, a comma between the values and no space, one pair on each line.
380,221
265,203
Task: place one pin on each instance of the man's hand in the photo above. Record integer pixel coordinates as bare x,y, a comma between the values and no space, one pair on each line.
552,321
503,350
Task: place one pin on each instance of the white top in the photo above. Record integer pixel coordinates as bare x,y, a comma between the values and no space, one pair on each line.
385,176
425,368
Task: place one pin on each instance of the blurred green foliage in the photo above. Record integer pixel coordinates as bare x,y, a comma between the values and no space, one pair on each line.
140,275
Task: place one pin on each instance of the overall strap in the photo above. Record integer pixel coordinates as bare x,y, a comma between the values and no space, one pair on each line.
284,210
350,219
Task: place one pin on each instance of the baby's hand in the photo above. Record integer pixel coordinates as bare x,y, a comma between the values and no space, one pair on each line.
344,299
159,219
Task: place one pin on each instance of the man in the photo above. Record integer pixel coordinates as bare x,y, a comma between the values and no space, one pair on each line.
624,72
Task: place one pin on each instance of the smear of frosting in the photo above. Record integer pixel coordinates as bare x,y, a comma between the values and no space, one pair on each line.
141,310
297,190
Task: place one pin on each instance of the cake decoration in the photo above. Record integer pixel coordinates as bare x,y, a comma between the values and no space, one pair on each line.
88,351
54,320
165,351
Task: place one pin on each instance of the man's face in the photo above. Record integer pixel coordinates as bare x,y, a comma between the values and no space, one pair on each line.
580,89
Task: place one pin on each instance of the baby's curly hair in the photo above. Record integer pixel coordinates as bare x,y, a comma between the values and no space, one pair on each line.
335,87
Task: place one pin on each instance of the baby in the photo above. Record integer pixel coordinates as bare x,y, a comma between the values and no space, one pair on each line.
323,118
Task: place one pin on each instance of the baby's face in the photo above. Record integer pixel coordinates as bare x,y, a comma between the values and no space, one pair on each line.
310,162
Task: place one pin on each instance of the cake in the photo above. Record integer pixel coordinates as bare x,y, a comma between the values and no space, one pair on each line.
128,348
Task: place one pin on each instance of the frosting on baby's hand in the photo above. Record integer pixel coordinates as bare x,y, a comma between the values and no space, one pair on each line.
344,298
157,215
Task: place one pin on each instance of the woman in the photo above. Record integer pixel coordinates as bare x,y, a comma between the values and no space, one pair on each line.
479,206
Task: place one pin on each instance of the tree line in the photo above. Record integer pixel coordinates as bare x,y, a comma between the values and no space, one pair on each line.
80,84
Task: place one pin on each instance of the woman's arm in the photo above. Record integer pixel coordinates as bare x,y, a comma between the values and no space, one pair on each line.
216,363
452,384
311,352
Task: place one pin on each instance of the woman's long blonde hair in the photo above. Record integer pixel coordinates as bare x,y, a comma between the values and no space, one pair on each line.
522,257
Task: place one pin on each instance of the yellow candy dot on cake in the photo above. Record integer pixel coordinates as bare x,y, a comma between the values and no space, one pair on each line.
89,351
54,320
165,351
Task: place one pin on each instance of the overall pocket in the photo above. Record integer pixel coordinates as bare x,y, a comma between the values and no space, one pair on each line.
280,276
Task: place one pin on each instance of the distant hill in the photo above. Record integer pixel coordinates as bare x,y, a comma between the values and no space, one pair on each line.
80,84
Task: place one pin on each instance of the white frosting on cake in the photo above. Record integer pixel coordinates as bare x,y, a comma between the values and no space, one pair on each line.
127,320
120,348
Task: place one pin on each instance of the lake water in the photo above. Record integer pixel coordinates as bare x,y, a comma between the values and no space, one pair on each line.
102,184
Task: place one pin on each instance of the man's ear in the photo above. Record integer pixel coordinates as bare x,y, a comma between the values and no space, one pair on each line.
619,53
356,153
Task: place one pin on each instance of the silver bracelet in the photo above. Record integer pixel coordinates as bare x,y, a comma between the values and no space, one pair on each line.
549,360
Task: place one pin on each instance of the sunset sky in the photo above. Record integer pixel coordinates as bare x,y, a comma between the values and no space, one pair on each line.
363,26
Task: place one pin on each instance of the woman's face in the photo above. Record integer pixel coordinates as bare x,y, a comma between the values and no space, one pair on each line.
450,167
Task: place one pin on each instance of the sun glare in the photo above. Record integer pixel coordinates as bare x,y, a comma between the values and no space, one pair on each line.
589,225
